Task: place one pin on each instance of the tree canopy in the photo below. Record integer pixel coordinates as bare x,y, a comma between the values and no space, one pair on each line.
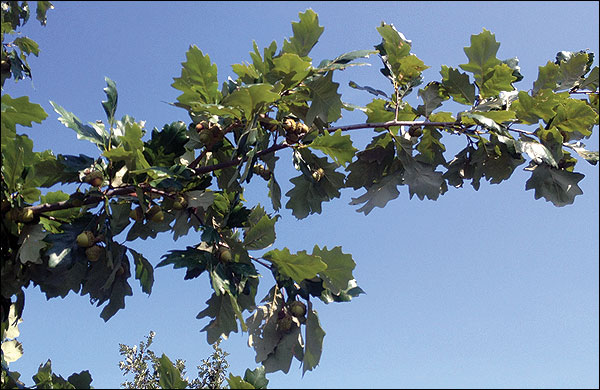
190,177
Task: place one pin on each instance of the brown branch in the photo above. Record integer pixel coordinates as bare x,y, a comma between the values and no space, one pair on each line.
210,168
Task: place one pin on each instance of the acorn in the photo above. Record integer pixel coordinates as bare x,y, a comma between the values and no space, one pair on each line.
136,214
94,253
224,254
155,214
318,174
26,215
94,178
289,125
284,324
86,239
121,270
415,131
301,128
180,203
298,309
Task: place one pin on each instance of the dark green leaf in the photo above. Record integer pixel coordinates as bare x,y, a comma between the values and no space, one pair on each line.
371,90
94,135
143,271
110,105
380,193
220,309
556,186
432,96
256,377
27,45
236,382
326,104
457,85
314,341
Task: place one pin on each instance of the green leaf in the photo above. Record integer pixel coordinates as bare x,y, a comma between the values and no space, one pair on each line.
143,271
198,80
94,135
576,118
556,186
291,69
498,79
530,109
339,267
43,378
203,199
432,96
262,326
547,77
306,34
308,194
169,376
591,81
371,90
298,267
392,49
430,148
223,314
343,61
19,111
457,85
41,9
83,380
27,45
110,105
337,146
256,377
236,382
422,180
481,55
260,235
571,71
380,193
378,111
326,104
251,99
195,260
289,346
314,342
14,155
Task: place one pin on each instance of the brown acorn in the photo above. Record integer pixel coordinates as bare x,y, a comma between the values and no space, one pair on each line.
94,178
86,239
155,214
136,214
94,253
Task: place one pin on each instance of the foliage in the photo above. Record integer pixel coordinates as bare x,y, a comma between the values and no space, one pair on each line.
153,372
191,177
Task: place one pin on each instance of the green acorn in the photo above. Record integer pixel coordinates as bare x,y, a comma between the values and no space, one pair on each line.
94,253
155,214
298,309
86,239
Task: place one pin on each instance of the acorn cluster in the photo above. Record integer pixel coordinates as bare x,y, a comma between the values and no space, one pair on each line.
154,214
262,171
286,315
88,240
93,177
294,131
209,134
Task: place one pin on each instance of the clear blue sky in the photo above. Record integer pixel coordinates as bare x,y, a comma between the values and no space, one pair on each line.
487,288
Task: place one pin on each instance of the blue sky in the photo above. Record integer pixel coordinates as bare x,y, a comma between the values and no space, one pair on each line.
487,288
